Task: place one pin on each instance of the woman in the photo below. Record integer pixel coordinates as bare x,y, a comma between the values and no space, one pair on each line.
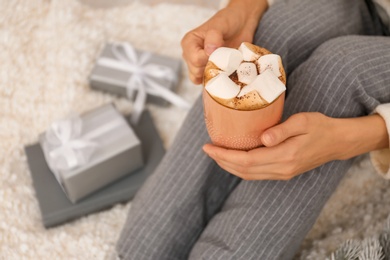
214,203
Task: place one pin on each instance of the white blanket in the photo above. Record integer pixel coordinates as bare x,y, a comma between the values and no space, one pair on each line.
47,49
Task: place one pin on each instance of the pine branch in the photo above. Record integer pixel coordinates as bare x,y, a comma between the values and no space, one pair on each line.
384,240
349,250
371,250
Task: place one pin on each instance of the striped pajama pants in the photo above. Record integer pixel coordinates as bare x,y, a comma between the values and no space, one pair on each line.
337,64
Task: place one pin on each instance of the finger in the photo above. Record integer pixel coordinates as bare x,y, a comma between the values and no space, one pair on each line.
196,80
228,168
249,176
259,160
193,49
213,40
222,154
232,170
273,170
236,157
277,134
195,56
195,73
252,172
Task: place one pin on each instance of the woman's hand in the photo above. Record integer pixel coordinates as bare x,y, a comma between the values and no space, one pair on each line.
301,143
229,27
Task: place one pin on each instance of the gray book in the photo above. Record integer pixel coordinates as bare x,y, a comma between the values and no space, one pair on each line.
54,205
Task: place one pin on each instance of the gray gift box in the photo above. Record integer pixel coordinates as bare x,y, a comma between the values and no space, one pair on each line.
114,81
57,209
113,147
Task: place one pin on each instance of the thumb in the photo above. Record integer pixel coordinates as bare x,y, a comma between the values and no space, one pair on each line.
281,132
212,41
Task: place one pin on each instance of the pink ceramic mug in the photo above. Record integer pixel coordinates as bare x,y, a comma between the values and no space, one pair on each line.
239,129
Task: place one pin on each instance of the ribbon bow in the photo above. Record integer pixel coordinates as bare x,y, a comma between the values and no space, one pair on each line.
67,149
141,78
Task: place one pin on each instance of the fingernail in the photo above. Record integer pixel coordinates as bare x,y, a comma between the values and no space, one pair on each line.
209,48
267,139
206,151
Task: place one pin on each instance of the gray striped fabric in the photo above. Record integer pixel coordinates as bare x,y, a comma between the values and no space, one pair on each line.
192,209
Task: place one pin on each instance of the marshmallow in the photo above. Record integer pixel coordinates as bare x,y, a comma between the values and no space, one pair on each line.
267,85
222,87
270,62
247,72
245,79
227,59
249,52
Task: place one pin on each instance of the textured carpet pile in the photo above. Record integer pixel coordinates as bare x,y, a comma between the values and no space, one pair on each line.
47,49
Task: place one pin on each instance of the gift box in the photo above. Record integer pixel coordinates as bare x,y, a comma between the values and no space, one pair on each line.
87,152
56,208
123,70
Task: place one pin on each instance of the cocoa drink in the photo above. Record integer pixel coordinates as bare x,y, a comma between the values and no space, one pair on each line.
243,95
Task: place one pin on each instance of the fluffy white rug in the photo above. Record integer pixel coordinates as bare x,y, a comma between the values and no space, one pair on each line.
47,49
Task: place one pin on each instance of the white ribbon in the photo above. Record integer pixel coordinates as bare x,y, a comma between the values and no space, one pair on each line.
67,147
141,77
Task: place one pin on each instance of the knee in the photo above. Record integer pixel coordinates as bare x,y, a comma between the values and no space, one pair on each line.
331,61
280,24
328,78
283,31
295,28
339,54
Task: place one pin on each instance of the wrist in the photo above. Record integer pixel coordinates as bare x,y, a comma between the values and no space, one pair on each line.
251,10
356,136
